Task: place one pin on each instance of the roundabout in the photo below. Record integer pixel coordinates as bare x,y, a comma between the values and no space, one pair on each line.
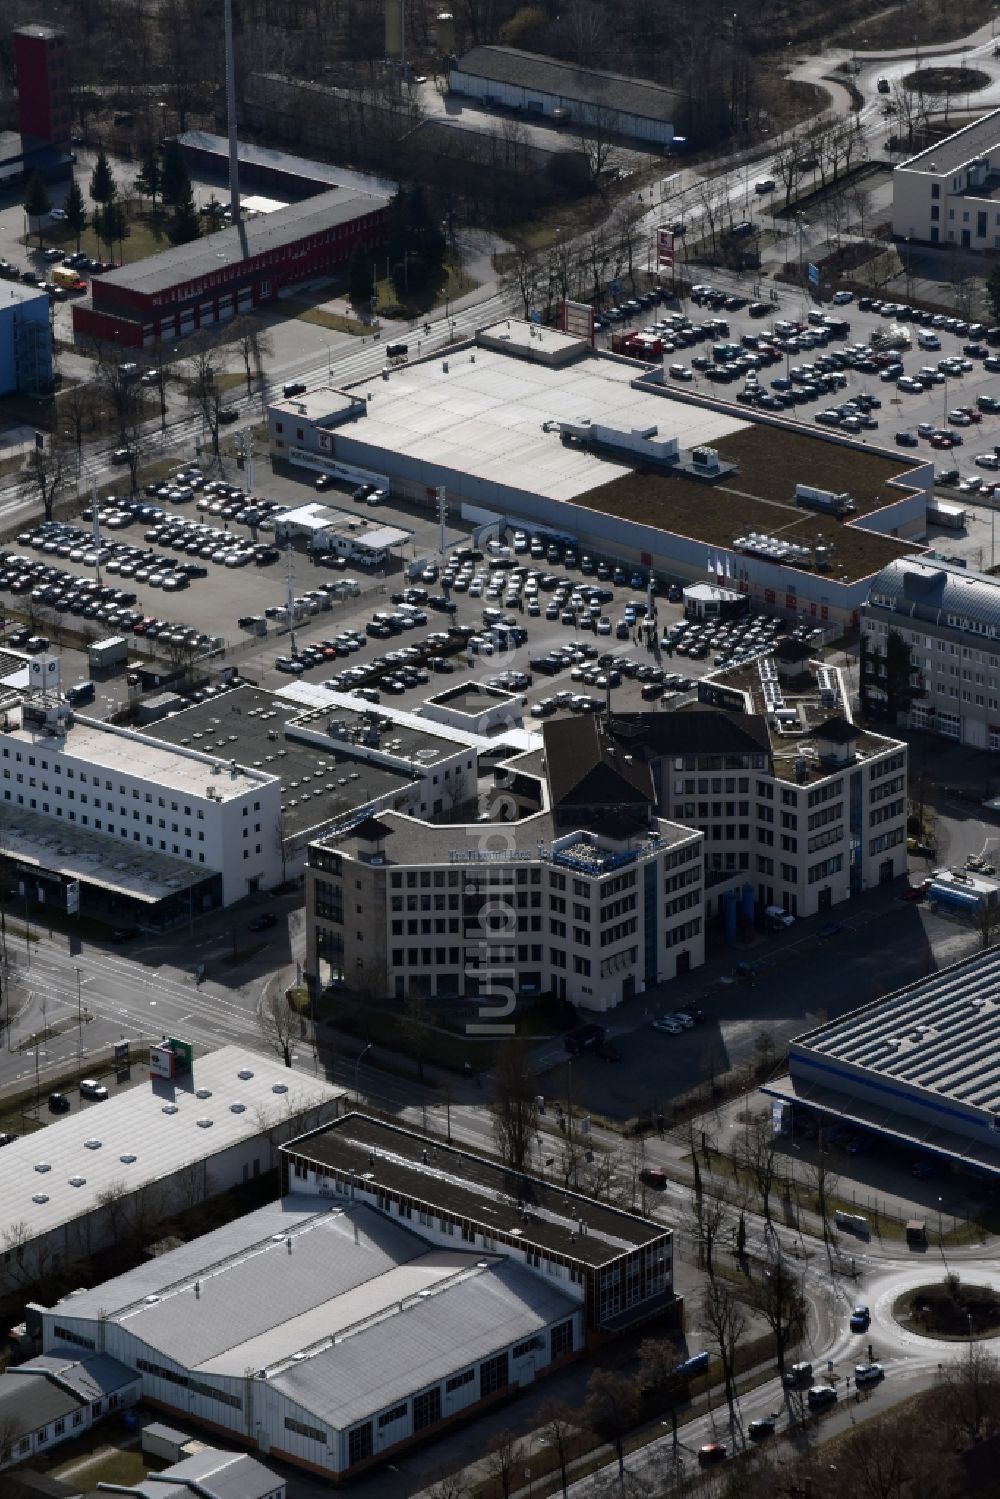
949,1310
946,80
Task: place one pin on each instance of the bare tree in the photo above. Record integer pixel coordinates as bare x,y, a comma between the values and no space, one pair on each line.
514,1108
449,1486
777,1296
46,475
203,386
970,1395
12,1429
504,1454
595,137
821,1183
559,1428
707,1218
255,345
279,1024
754,1153
612,1410
523,275
725,1321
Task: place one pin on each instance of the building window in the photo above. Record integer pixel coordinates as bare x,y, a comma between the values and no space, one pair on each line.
458,1380
314,1433
390,1417
493,1375
359,1444
427,1408
562,1339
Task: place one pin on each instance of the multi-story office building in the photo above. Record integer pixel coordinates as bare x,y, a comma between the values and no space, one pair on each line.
577,887
25,340
931,650
606,856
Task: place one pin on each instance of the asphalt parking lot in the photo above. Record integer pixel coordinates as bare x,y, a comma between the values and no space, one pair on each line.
801,354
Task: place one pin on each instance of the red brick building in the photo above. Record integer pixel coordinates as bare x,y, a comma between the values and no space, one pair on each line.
211,280
41,59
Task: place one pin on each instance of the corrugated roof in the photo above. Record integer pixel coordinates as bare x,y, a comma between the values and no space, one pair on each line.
940,1035
146,1133
594,86
212,1474
931,591
359,1315
430,1340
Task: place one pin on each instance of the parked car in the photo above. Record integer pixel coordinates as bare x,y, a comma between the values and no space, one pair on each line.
91,1088
58,1103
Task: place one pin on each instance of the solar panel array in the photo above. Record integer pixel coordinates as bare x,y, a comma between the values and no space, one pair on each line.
769,684
941,1034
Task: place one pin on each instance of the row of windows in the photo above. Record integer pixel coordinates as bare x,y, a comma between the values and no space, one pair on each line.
824,840
824,793
826,815
683,933
826,867
886,840
887,813
682,902
301,1429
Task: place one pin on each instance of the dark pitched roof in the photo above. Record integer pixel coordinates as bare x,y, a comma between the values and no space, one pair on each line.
695,731
792,650
588,86
29,1401
837,730
587,765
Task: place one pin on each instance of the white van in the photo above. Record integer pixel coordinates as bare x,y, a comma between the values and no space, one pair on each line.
926,339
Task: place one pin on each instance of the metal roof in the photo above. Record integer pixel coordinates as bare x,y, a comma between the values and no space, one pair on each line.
211,1474
147,1133
341,1309
228,247
593,86
931,591
940,1035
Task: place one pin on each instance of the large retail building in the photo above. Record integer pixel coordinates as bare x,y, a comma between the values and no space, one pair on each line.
532,426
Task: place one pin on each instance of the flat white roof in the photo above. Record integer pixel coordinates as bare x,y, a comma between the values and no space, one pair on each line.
140,755
485,416
144,1134
312,695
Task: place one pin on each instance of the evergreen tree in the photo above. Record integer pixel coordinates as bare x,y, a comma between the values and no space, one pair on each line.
149,181
416,243
76,210
993,288
36,202
184,225
103,187
175,184
214,216
361,278
116,227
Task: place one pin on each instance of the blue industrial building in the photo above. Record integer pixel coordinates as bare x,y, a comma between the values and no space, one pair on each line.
25,340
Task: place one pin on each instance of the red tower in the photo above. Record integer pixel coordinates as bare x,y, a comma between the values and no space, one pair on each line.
43,97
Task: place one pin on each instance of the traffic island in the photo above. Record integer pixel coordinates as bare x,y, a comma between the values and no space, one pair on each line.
950,1311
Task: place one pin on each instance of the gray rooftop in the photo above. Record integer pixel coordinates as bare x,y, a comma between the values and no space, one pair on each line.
400,839
213,252
978,139
931,591
347,1311
211,1474
322,782
940,1036
55,1385
594,86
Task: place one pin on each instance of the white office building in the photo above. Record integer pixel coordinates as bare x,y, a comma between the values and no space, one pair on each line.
948,194
948,620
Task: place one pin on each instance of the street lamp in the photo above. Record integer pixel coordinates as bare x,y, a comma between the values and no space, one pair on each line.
361,1054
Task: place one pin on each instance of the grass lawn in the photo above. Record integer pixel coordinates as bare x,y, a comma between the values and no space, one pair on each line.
108,1466
452,283
335,321
146,236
